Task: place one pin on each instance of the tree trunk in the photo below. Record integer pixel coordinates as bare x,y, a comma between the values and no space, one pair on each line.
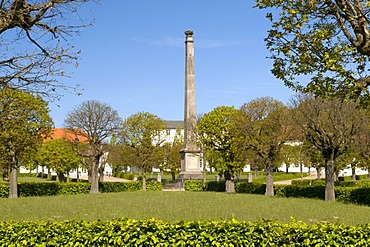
49,174
144,180
94,176
204,187
286,168
353,168
13,181
318,175
329,177
173,174
78,175
269,180
68,177
101,174
60,176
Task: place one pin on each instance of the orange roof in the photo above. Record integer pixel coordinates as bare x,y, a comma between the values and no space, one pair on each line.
63,133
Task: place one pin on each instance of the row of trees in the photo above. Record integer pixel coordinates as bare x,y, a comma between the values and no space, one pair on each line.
321,133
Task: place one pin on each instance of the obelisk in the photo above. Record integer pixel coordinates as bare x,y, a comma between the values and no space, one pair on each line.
190,153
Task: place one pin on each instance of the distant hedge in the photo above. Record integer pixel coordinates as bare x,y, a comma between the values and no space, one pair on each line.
128,232
57,188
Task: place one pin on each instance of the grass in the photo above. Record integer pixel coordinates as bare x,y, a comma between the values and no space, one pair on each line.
178,206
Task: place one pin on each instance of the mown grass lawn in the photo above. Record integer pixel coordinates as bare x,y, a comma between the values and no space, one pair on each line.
178,206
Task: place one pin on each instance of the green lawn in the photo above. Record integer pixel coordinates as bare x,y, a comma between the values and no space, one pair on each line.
177,206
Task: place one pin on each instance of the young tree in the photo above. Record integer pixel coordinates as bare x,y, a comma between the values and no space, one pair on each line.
142,137
24,123
36,43
325,43
172,156
96,122
214,130
263,127
59,155
331,126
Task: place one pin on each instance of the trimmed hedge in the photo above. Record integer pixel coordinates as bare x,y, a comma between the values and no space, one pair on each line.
128,232
57,188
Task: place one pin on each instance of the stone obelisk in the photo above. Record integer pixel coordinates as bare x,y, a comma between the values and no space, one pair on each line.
190,153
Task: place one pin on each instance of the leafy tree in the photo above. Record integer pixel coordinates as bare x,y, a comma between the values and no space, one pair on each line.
331,126
214,130
142,137
172,156
24,123
36,43
96,122
263,128
59,155
325,44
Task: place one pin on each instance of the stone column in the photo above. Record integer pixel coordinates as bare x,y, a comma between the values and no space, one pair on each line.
190,154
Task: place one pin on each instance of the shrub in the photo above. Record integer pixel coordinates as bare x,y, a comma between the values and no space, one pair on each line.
154,186
250,188
127,232
215,186
300,191
193,185
4,190
107,187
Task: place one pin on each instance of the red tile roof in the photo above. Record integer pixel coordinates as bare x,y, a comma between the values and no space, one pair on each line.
63,133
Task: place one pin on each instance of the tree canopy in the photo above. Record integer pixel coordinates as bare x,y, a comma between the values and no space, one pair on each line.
96,122
59,155
321,47
35,43
142,137
24,123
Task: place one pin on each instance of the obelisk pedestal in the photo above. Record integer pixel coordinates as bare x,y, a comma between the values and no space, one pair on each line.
190,153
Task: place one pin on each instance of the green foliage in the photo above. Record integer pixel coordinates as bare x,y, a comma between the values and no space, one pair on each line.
52,189
4,190
250,188
215,134
130,232
193,185
57,188
215,186
154,186
119,187
321,43
59,155
300,191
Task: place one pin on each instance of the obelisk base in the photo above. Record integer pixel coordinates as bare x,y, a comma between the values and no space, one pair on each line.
190,165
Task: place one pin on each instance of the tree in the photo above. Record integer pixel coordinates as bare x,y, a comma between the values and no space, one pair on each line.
214,130
59,155
142,137
172,156
325,44
263,127
35,37
24,123
96,122
331,126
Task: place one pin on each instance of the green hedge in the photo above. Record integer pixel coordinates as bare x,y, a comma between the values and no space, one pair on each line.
193,185
250,188
57,188
127,232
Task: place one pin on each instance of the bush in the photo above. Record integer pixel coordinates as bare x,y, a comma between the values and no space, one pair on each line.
216,186
107,187
250,188
193,185
154,186
300,191
126,232
52,189
4,190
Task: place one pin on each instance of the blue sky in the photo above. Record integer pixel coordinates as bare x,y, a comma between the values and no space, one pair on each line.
133,57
